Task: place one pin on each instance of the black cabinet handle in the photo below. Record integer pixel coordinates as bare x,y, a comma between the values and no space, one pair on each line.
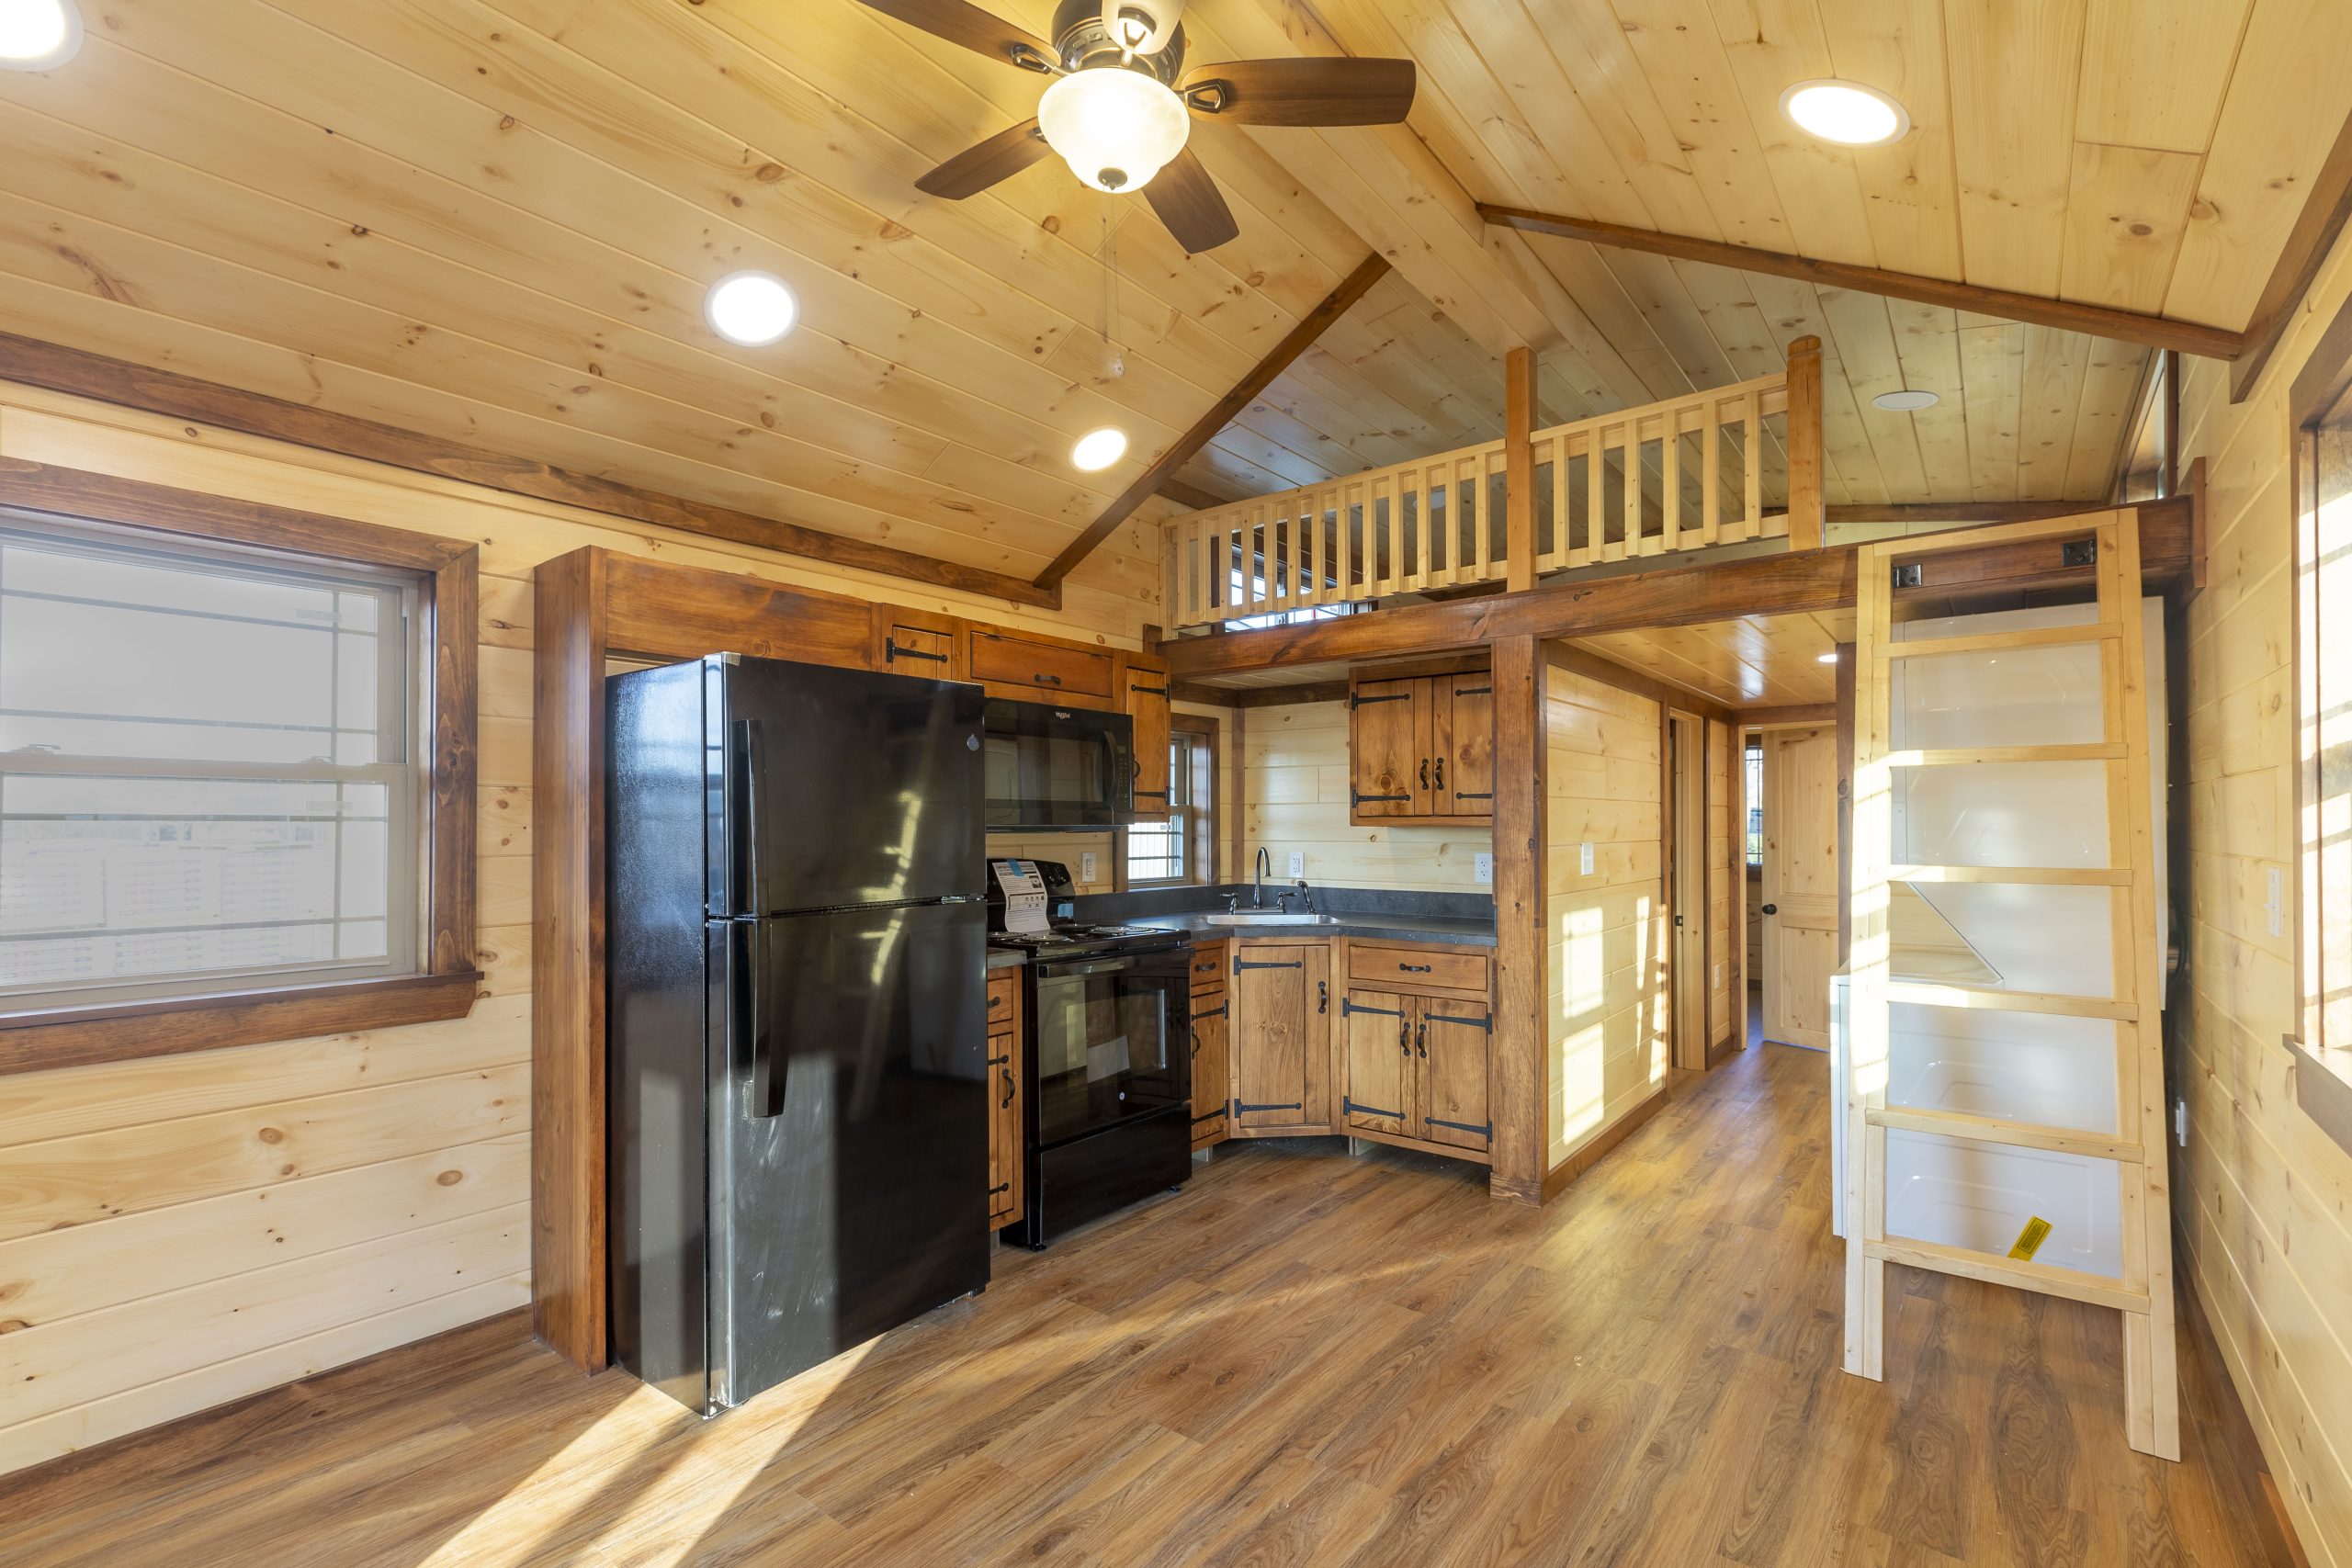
1440,773
1771,908
1196,1042
1042,679
1421,1040
1414,968
1425,772
1322,996
1008,1088
1405,1038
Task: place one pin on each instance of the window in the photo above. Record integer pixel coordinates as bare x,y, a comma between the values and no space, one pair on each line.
1241,590
2324,684
236,778
207,777
1752,759
1178,850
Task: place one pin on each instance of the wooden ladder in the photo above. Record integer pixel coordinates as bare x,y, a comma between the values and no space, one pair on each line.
2137,1146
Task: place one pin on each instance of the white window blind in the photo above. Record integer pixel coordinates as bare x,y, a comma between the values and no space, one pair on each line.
207,770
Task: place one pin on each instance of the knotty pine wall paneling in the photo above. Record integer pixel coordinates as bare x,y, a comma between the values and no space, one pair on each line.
1296,760
186,1230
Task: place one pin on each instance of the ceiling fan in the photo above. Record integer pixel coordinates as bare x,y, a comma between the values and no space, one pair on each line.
1121,103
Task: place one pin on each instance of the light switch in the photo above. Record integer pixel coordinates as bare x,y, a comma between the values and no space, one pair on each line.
1482,868
1584,856
1298,863
1086,867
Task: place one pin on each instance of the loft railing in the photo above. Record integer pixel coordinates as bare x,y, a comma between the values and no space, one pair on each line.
1711,468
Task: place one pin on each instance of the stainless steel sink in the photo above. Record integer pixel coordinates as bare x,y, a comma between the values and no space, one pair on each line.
1270,918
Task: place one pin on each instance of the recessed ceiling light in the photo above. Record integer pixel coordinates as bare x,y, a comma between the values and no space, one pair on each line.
1845,112
38,34
1100,448
1830,658
753,309
1906,401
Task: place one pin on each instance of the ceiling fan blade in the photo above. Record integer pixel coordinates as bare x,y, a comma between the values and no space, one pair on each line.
958,22
983,164
1329,91
1186,199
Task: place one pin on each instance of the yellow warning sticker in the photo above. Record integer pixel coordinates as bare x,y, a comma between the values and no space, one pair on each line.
2030,1240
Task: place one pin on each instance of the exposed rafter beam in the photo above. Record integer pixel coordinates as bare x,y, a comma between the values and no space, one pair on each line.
1191,498
84,374
1312,325
2308,243
1958,511
2099,321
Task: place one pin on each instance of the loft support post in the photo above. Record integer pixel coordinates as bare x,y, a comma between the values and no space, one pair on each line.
1805,514
1521,1123
1518,467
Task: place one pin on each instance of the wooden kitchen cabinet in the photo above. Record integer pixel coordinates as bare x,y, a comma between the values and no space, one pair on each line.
1417,1058
1032,669
915,642
1146,704
1420,749
1452,1058
1378,1062
1282,1012
1006,1196
1211,1066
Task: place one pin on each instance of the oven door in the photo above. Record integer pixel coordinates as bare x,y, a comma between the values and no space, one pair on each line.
1049,767
1108,1037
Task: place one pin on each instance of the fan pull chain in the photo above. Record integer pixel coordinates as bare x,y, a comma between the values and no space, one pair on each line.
1114,363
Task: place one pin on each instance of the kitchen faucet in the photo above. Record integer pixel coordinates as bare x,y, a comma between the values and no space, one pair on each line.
1266,869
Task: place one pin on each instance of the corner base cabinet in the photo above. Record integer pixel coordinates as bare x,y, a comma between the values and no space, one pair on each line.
1280,992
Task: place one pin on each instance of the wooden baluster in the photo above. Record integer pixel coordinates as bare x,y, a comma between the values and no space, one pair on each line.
1807,517
1752,518
1670,481
1637,542
1712,473
1595,502
1518,476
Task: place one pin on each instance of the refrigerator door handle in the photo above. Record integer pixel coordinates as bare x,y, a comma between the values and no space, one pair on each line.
750,746
767,1073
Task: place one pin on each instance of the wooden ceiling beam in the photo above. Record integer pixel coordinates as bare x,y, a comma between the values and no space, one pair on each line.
80,373
2098,321
1190,497
1790,583
1297,341
2308,243
1962,511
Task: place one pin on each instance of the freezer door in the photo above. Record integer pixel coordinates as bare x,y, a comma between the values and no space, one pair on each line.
849,1135
838,787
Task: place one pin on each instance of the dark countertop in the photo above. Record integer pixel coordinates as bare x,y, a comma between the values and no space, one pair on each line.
1006,958
1395,928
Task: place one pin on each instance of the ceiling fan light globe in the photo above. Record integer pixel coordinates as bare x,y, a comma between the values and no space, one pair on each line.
1114,128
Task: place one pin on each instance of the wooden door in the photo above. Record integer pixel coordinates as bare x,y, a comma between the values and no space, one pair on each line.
1212,1067
1375,1094
1686,890
1146,704
1281,996
1450,1042
1389,748
1799,884
1004,1130
1462,711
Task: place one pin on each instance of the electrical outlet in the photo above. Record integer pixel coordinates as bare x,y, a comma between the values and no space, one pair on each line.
1584,856
2276,905
1716,976
1298,863
1086,868
1482,868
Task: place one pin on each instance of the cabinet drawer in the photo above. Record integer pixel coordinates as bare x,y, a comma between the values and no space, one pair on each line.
1208,967
1044,668
1004,990
1446,969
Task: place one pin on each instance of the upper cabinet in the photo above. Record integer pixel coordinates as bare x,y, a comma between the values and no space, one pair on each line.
1146,704
914,642
1421,748
1032,669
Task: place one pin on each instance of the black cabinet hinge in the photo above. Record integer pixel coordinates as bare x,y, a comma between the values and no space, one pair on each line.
1243,1107
1348,1005
1486,1023
1484,1129
1239,964
1350,1107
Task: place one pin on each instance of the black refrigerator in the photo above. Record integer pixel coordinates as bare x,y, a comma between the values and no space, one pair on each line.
796,1018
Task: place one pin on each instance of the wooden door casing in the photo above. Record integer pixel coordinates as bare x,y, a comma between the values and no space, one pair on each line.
1452,1061
1801,883
1376,1030
1389,748
1280,998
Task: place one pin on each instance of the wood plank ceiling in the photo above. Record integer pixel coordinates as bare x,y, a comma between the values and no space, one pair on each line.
495,220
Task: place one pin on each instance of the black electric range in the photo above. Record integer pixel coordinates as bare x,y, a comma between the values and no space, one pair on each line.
1108,1022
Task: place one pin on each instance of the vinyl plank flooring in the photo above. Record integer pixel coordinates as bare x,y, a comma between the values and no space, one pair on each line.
1304,1358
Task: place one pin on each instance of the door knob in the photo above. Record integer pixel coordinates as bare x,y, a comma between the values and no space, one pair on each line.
1771,908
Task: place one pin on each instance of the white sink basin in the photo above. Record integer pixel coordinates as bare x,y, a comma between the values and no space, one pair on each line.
1270,918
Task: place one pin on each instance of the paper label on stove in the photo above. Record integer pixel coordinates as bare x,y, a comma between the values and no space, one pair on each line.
1024,894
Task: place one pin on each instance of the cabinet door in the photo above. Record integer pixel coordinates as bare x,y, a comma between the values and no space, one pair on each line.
905,645
1376,1093
1041,672
1281,996
1212,1081
1389,748
1147,706
1450,1055
1463,713
1004,1130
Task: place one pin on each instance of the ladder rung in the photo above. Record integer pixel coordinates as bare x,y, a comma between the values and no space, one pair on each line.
2014,1134
2082,751
2040,875
1939,994
2095,1289
1995,642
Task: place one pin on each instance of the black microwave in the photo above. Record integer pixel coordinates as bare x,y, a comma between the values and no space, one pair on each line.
1057,767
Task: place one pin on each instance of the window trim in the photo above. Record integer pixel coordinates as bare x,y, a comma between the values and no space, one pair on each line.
447,977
